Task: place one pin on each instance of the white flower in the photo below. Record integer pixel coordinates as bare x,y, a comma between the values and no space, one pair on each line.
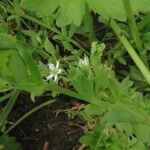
84,62
54,71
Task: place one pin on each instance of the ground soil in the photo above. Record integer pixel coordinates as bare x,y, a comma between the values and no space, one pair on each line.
44,130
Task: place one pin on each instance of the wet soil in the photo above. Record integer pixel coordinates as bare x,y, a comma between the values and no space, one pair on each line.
46,129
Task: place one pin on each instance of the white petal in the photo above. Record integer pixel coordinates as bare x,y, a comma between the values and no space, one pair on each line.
57,65
59,71
86,60
55,78
49,77
51,66
81,62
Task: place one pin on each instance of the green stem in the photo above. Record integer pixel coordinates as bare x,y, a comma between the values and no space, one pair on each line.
68,92
8,107
134,30
5,97
28,114
41,23
52,29
89,24
132,23
118,31
54,87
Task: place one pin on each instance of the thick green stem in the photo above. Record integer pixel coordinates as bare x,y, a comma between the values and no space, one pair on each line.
47,103
89,24
118,31
134,30
132,23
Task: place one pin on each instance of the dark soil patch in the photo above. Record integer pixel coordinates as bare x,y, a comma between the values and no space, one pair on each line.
44,130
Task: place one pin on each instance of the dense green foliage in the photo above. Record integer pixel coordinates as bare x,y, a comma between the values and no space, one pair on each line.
39,52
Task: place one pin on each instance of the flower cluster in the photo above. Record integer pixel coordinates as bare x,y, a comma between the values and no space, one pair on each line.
54,72
84,61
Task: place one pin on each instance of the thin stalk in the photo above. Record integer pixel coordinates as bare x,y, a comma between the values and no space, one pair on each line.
68,92
134,30
89,24
40,23
52,29
8,107
54,87
5,97
118,31
47,103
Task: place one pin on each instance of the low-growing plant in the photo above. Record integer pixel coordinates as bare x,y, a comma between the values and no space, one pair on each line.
39,53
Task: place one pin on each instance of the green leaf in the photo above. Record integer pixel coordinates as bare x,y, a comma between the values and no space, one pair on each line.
7,41
114,88
64,12
90,139
118,115
114,8
135,74
4,59
9,143
108,9
4,85
42,8
146,40
122,60
50,49
17,67
66,15
142,132
138,146
31,66
31,87
96,53
81,83
121,112
101,79
94,110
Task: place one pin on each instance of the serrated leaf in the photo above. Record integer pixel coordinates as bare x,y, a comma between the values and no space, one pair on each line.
92,110
90,139
96,53
114,88
142,132
121,112
101,79
83,85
